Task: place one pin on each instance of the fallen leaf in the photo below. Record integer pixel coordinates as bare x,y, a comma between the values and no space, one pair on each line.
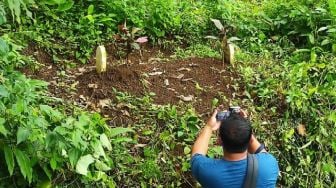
105,103
301,128
193,65
121,105
184,69
82,97
95,86
125,113
141,40
140,145
81,70
179,76
186,79
166,82
186,98
171,89
74,84
154,73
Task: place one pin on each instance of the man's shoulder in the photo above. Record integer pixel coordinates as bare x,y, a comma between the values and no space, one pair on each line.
265,156
267,164
199,158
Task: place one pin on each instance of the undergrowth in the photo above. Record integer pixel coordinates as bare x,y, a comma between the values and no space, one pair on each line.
285,56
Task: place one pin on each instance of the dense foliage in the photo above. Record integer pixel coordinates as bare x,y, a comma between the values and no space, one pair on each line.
286,61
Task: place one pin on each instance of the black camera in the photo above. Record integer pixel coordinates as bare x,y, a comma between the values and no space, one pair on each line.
224,115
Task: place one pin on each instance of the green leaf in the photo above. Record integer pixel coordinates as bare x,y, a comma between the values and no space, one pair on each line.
325,42
51,140
3,129
24,164
214,102
46,171
98,149
9,159
14,7
105,141
65,6
311,38
333,146
22,135
333,30
119,130
53,114
322,29
83,164
3,90
90,10
102,166
187,150
4,49
74,155
53,163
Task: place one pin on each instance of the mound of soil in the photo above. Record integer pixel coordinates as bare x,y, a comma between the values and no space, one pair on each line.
195,81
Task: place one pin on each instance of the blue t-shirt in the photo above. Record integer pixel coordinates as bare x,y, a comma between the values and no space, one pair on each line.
217,173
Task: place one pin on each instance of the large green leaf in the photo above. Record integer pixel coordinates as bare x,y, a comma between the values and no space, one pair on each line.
14,7
9,157
22,134
119,130
105,141
24,164
74,155
83,164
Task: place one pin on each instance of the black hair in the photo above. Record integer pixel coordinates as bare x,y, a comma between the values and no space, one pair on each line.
235,133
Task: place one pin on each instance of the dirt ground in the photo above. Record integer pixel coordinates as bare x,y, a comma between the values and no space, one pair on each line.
195,81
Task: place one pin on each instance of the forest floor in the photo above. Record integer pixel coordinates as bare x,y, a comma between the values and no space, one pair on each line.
194,81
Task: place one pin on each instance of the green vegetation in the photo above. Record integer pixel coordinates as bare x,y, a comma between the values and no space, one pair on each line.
285,57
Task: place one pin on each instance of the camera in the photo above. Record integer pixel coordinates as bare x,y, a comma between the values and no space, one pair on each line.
224,115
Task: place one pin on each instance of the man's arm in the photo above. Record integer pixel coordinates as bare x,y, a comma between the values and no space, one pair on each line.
254,145
202,142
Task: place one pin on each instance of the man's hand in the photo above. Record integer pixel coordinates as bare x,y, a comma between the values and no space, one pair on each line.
202,141
212,122
243,113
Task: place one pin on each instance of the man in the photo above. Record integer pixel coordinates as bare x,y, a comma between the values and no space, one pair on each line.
236,138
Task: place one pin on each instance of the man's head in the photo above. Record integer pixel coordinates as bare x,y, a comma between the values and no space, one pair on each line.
235,133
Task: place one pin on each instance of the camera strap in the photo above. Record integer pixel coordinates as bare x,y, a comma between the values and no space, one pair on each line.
252,171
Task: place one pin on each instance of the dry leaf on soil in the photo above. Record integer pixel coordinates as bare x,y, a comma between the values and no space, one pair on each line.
105,103
301,128
186,98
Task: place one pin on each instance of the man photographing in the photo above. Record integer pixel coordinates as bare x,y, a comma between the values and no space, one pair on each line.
237,168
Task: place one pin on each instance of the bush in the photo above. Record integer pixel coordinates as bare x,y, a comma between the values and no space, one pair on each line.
40,142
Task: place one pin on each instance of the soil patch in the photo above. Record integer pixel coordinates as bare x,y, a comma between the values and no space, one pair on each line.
195,81
46,70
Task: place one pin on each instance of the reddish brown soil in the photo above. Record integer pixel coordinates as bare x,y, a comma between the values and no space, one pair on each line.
47,68
134,79
203,79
